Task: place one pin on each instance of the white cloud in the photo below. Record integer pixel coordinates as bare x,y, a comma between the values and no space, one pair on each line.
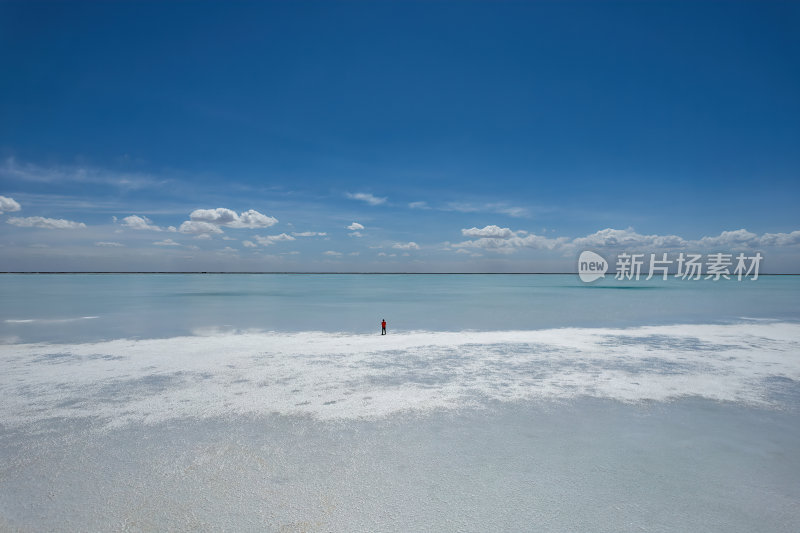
354,253
627,238
228,218
781,239
406,246
488,231
356,234
272,239
105,244
730,239
355,226
366,197
418,205
332,253
8,205
139,223
309,234
196,227
253,219
167,242
506,241
46,223
249,244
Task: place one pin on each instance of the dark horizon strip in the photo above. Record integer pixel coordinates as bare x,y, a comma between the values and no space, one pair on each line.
346,273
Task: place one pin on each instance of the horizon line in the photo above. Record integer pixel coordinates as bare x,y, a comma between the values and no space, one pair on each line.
320,272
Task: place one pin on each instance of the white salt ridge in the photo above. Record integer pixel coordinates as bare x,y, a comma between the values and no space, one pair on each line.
343,376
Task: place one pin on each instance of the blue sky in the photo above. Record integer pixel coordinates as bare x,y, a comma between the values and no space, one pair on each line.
462,136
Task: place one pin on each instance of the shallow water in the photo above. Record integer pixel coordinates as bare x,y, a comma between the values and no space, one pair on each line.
259,403
89,307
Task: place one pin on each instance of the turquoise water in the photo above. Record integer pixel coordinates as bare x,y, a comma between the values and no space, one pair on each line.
495,403
55,308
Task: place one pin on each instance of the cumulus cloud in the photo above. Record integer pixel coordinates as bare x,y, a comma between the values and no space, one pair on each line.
488,231
627,238
781,239
356,234
366,197
406,246
734,238
272,239
228,218
8,205
249,244
355,226
207,222
199,228
167,242
309,234
105,244
45,223
506,241
139,223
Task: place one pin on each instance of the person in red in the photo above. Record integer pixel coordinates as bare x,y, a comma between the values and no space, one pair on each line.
383,326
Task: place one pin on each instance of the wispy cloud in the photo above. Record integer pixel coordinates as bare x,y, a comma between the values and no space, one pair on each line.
28,172
167,242
107,244
269,240
366,197
45,223
501,208
406,245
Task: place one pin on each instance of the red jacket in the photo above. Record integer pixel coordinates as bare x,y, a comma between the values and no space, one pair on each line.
383,324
